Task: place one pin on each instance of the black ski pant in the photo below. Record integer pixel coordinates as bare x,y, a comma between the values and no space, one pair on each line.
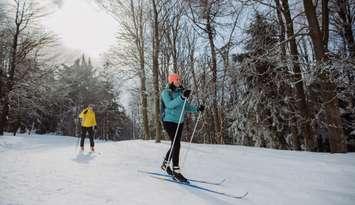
170,128
84,131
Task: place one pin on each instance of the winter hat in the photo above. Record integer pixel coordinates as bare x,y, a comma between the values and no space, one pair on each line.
173,77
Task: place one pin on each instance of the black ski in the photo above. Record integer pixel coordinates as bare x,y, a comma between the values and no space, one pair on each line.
201,188
191,180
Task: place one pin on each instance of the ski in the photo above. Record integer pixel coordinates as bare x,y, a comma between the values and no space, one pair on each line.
94,152
89,153
201,188
191,180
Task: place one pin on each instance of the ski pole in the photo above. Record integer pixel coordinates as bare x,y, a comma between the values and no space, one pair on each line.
76,134
177,129
192,136
77,144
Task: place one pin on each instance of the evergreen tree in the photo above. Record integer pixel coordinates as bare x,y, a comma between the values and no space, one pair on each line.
260,102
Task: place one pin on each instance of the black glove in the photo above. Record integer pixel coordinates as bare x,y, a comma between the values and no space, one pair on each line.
94,128
186,93
201,108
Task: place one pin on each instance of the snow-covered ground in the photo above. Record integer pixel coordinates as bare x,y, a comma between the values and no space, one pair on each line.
47,170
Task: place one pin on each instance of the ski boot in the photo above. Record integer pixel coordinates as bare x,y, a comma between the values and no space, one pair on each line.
166,168
92,149
178,176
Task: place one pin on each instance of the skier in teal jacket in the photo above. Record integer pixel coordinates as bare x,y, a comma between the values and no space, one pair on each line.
173,98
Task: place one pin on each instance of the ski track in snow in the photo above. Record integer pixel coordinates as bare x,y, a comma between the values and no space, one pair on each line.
49,170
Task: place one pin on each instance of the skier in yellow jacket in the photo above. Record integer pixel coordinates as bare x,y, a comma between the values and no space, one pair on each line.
88,125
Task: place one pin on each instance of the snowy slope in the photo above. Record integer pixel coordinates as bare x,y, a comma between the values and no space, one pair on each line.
46,170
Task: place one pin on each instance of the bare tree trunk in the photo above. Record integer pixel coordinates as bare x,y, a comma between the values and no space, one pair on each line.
225,56
2,79
174,28
156,42
191,43
325,23
10,78
2,68
315,32
343,11
295,139
213,68
139,35
328,87
302,104
282,29
144,102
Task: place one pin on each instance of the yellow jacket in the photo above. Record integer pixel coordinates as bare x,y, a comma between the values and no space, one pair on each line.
88,118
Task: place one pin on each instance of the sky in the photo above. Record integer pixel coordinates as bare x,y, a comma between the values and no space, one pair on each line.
82,26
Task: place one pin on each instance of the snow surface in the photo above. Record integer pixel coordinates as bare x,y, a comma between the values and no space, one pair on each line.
47,169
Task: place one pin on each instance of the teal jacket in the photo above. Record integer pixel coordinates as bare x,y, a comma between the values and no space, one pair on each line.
173,102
